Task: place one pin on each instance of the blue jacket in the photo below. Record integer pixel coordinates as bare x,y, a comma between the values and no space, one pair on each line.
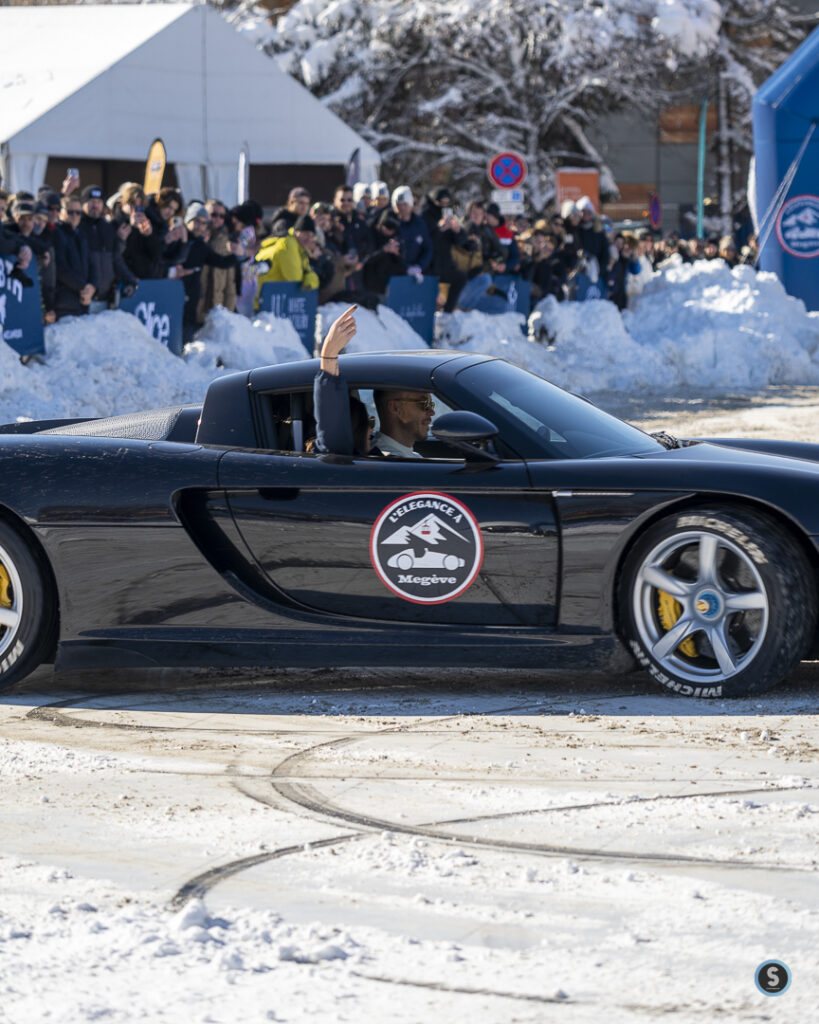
331,408
416,245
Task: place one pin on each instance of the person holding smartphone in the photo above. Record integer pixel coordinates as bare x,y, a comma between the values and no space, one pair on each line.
142,245
445,231
200,254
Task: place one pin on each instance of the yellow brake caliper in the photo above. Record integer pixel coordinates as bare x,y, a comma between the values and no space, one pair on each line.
5,591
668,611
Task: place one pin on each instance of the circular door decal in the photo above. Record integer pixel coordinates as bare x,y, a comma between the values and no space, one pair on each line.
797,226
426,547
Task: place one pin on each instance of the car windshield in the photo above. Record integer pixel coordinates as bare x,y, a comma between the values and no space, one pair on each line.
550,422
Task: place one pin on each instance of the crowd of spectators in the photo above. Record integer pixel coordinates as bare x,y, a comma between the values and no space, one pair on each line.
90,250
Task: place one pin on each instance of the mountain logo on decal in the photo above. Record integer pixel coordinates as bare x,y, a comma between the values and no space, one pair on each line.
431,530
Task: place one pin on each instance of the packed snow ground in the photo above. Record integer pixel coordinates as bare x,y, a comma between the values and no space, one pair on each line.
697,329
379,846
370,846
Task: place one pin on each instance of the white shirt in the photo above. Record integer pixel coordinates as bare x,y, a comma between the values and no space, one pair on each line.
389,446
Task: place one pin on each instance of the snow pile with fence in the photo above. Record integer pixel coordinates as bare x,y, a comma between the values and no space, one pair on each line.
697,327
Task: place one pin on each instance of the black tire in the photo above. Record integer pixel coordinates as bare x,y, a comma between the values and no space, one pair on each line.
717,602
26,605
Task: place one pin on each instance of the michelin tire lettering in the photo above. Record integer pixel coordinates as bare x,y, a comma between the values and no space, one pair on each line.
426,531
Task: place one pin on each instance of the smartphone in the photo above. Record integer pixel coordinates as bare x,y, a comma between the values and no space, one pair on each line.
176,222
72,172
139,209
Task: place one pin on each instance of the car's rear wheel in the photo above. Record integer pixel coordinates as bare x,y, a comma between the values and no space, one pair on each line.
718,602
26,609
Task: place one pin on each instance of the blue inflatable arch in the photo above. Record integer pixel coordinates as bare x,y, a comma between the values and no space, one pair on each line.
786,149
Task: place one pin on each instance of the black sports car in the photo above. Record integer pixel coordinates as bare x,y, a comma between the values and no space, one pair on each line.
535,531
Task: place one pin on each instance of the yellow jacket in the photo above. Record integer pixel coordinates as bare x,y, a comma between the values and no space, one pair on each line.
288,261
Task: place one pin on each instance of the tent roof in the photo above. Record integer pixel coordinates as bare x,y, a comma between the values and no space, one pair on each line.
104,80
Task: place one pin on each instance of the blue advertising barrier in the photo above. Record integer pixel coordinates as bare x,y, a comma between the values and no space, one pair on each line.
516,290
786,146
159,305
21,309
415,301
288,300
586,289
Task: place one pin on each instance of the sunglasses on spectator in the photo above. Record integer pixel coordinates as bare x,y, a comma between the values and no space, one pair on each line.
73,213
217,215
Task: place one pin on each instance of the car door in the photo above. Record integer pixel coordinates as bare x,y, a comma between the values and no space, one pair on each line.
407,540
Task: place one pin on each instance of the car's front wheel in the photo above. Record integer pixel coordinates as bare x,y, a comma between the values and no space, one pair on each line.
717,602
26,609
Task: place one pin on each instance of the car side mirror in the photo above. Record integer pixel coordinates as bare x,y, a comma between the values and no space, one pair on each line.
465,430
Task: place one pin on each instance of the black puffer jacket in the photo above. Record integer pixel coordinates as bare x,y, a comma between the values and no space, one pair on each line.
74,270
105,253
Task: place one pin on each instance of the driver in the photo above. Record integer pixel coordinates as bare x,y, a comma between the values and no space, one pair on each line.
404,416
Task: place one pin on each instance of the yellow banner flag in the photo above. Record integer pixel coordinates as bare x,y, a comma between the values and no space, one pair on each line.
154,167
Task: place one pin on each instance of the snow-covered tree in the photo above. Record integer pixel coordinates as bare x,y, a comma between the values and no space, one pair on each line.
439,85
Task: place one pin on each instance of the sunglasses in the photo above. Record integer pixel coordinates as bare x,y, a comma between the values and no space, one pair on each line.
217,216
426,403
73,213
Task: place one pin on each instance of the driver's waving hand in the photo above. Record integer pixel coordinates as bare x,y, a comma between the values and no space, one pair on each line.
404,416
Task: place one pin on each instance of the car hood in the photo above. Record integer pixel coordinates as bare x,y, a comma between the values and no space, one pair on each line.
765,446
786,484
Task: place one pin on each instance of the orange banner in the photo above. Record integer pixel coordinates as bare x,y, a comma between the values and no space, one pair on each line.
574,182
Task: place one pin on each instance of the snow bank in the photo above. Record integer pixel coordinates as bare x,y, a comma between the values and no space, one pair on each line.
726,328
97,366
229,341
699,327
379,331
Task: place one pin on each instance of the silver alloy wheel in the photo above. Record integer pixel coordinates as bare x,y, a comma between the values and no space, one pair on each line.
723,606
10,616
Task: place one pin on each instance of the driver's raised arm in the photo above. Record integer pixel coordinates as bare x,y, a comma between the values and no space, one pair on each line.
331,399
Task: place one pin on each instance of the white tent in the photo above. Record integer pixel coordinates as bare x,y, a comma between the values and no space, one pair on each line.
102,81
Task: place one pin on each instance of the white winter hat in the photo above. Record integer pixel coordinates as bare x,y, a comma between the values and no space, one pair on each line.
194,210
379,188
360,189
402,194
584,203
567,208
